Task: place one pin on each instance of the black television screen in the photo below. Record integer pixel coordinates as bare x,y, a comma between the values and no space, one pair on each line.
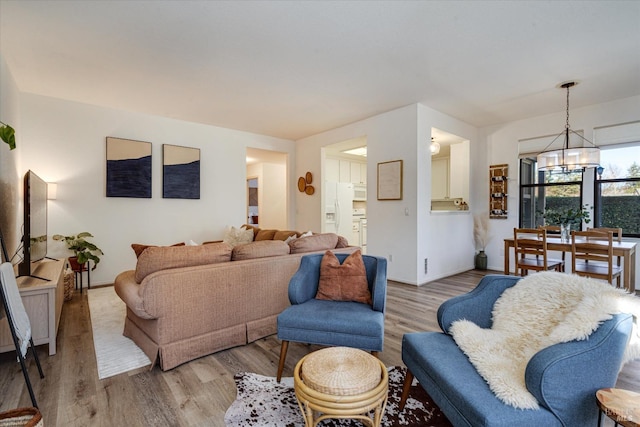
34,238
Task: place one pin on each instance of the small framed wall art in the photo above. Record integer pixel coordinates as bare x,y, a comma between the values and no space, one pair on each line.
390,180
180,172
128,168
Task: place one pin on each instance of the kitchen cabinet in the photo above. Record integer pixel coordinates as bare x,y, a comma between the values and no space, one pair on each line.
332,170
358,173
338,170
345,170
439,178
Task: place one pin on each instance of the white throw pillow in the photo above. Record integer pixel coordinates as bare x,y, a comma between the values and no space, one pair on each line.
307,234
290,238
236,236
190,243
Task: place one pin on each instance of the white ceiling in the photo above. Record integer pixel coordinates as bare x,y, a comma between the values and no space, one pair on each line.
293,69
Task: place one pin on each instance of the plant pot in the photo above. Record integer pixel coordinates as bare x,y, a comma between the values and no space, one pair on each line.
73,262
481,261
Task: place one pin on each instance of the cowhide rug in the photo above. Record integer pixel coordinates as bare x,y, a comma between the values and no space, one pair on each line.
261,401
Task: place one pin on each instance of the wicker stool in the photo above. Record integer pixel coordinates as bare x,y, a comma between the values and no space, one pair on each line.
341,382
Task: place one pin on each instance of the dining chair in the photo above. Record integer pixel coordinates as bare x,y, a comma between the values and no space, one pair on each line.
617,236
592,255
531,251
554,230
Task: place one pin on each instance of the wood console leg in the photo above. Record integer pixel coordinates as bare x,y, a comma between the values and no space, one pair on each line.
408,379
283,357
376,354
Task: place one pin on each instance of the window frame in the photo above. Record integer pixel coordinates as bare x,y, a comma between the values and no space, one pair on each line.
532,162
597,200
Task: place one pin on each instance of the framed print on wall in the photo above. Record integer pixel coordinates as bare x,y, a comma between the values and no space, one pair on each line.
390,180
128,168
180,172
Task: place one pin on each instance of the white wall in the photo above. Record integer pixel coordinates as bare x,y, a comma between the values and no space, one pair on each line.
502,146
397,228
9,159
64,142
445,239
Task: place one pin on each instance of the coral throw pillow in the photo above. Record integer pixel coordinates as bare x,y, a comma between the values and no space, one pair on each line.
343,282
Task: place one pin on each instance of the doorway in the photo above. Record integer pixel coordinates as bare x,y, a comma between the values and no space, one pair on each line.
267,191
344,191
252,202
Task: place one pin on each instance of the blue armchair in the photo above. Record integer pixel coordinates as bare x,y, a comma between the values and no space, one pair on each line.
563,377
333,323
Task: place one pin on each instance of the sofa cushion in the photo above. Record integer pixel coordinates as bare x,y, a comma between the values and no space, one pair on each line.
265,235
235,236
138,248
342,242
343,282
261,249
317,242
158,258
285,234
252,227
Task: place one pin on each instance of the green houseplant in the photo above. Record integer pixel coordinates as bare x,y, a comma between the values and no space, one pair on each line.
566,218
83,250
8,135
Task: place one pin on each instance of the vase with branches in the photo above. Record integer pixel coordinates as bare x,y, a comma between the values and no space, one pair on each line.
481,237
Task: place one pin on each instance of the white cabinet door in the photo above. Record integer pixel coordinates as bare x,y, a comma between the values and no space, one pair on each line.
332,170
355,173
439,178
363,173
345,171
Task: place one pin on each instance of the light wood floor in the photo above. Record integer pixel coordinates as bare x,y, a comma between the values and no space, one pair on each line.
197,393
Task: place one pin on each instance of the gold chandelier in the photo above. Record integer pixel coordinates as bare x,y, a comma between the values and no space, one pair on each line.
569,157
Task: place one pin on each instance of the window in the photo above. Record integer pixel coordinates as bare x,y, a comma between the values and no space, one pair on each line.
617,189
540,191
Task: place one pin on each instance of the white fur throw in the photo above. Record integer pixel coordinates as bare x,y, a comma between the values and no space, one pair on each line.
540,310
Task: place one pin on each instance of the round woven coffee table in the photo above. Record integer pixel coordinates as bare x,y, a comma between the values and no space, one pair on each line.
341,382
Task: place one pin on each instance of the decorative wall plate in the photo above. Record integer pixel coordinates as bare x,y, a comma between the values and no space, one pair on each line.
301,184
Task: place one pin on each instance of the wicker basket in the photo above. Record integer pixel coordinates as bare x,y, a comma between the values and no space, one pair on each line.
69,284
23,417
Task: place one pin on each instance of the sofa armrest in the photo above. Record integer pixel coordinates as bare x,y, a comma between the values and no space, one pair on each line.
303,286
377,277
565,377
128,290
477,305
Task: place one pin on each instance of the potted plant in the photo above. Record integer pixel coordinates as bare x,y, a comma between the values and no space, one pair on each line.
83,250
481,237
565,218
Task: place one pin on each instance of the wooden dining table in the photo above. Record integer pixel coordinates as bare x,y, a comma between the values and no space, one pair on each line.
627,250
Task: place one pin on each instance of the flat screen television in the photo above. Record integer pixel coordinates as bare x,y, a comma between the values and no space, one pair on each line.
34,237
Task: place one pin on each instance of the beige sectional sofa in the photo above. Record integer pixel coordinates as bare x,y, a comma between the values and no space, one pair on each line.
185,302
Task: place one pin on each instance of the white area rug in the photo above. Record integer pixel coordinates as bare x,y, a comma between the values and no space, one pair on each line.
115,353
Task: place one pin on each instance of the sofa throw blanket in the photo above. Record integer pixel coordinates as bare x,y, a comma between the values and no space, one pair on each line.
540,310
